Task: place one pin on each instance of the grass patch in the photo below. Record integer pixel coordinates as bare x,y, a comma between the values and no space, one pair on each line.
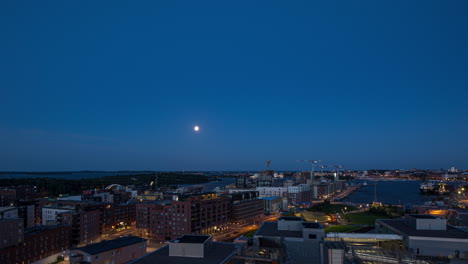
341,228
363,218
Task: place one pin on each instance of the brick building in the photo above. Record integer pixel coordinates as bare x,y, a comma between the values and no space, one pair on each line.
39,242
85,225
11,232
246,207
199,214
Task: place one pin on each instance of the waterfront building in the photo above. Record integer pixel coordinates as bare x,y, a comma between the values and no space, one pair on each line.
292,235
192,249
427,235
116,251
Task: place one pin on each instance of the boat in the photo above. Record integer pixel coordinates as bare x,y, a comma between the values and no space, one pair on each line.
428,188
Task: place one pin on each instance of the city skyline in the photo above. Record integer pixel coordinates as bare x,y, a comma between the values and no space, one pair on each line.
112,86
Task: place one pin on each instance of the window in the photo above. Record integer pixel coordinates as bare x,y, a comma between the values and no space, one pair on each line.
312,236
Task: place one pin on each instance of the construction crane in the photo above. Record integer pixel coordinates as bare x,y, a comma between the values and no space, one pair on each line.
338,167
321,171
313,165
321,167
268,165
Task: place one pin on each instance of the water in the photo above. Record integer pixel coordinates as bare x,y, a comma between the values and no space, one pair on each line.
390,192
209,186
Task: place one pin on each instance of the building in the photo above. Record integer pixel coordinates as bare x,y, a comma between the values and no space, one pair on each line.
299,195
246,207
192,249
272,204
272,191
18,195
11,232
41,243
7,197
8,212
85,225
427,235
186,214
50,213
300,241
117,251
26,212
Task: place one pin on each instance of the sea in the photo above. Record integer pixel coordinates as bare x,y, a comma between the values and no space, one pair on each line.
390,192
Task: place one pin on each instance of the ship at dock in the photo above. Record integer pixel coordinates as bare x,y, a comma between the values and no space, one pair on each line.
428,188
434,188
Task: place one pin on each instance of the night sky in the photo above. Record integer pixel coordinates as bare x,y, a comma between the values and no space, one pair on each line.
119,85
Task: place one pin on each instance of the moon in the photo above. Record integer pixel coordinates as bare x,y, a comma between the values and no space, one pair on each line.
196,128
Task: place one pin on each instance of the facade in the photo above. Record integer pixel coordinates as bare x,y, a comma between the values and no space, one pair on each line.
196,214
300,241
246,207
271,204
427,235
49,214
39,243
299,194
11,232
27,213
192,249
85,226
8,212
117,251
272,191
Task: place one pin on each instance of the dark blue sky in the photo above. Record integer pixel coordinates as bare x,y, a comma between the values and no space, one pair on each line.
114,85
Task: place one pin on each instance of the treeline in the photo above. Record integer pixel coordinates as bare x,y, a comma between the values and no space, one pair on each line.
56,186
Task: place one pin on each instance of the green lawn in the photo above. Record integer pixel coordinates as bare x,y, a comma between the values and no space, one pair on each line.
363,218
341,228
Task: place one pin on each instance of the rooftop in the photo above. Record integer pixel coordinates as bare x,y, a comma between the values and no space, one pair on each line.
196,239
271,229
422,216
107,245
399,224
6,208
39,229
218,253
312,225
269,198
3,220
290,218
